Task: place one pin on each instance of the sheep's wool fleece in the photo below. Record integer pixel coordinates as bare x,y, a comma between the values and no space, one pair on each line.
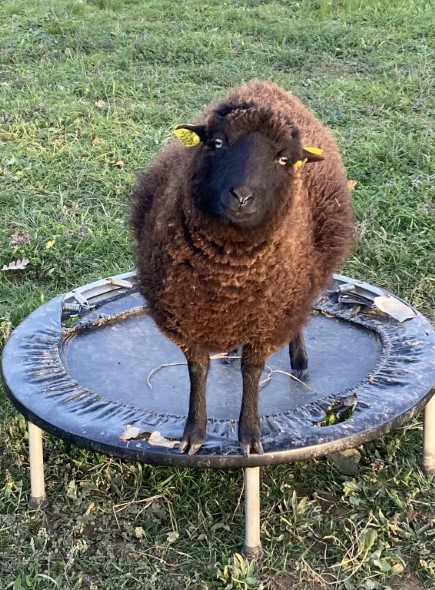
213,285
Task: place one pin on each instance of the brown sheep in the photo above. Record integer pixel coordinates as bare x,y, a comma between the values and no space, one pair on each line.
238,234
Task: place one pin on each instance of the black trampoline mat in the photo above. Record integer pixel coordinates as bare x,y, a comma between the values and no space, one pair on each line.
120,361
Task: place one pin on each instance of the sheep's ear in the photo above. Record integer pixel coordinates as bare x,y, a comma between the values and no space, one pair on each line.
309,154
312,154
190,135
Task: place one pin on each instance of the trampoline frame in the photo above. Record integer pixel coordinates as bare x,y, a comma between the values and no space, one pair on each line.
78,299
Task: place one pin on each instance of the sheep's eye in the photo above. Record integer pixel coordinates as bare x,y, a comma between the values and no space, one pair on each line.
283,161
218,142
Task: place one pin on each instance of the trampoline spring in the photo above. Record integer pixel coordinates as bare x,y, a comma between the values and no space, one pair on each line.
82,300
346,287
119,282
71,307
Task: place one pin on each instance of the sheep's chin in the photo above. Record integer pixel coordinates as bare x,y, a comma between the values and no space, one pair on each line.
240,222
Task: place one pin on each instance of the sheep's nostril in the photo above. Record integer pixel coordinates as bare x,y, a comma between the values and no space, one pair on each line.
243,196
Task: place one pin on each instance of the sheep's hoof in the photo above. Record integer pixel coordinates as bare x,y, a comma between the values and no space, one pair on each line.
193,447
256,446
301,375
250,439
193,439
190,447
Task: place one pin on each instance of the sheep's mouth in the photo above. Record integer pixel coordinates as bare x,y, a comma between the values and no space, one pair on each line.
239,217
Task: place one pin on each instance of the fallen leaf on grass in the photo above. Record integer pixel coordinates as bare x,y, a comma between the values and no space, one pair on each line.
172,536
351,184
139,533
411,515
16,265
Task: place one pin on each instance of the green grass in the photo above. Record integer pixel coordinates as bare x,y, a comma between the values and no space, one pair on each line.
89,91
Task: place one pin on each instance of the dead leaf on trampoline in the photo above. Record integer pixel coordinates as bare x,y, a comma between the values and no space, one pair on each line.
130,432
154,438
395,308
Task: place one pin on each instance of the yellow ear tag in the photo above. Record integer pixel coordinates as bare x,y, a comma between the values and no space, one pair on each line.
311,150
187,137
300,163
314,150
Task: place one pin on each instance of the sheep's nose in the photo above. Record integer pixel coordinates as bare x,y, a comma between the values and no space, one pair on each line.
242,196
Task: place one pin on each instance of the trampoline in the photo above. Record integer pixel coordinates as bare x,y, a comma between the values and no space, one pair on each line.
92,368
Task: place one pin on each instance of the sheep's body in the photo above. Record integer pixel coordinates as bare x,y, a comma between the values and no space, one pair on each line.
214,286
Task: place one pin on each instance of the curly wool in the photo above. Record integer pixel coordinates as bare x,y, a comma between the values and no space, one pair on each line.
213,285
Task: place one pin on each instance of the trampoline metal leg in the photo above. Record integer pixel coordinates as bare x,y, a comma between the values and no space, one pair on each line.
252,548
37,492
429,437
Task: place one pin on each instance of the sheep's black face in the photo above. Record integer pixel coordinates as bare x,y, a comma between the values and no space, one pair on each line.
243,179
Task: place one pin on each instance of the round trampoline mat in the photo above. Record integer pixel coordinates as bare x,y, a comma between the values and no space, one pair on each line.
132,361
112,369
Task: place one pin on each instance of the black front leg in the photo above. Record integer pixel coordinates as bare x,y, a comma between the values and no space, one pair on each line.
249,422
195,428
298,357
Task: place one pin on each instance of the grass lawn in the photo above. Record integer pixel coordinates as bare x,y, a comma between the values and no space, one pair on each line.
89,91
